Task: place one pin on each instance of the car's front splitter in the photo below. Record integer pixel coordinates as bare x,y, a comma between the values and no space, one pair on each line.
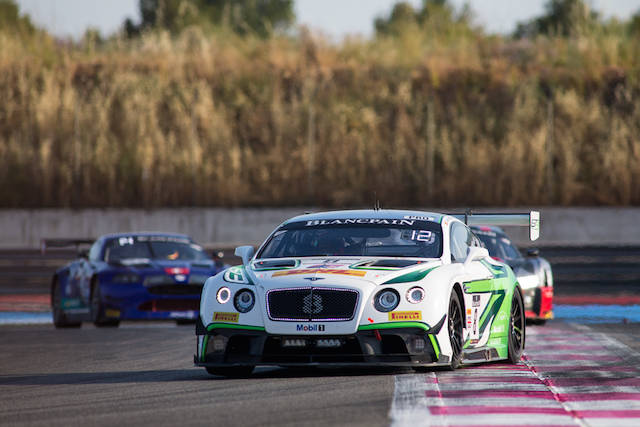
229,345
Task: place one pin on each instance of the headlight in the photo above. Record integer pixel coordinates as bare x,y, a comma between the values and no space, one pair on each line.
386,300
126,278
415,295
244,300
223,295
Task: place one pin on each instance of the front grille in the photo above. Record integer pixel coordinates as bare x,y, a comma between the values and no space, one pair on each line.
312,304
175,289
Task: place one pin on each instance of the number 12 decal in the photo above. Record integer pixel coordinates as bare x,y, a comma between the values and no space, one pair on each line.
422,235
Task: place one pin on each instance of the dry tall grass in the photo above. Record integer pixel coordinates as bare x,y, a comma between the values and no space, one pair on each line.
224,121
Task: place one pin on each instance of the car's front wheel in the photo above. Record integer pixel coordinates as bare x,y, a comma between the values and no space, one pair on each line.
59,317
455,325
231,372
516,327
97,308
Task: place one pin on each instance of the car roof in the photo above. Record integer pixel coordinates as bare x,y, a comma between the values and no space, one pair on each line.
145,234
366,214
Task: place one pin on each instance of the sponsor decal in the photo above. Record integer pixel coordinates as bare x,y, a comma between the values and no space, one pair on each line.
71,303
420,218
468,318
405,315
112,313
476,301
321,271
301,327
359,221
226,317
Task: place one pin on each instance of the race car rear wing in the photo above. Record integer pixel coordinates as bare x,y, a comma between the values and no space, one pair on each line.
63,243
531,220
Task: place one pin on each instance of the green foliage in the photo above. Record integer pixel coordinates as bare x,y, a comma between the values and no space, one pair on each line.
258,17
634,25
566,18
11,21
435,18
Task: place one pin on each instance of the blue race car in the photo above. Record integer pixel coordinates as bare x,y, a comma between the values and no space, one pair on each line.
131,276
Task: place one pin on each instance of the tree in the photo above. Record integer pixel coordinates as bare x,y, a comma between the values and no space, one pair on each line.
10,19
564,18
435,16
259,17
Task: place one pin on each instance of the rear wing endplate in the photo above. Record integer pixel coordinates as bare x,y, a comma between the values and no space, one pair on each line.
530,219
63,243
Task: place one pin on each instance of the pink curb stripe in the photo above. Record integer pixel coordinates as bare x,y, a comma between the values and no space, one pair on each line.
594,381
532,394
586,397
593,357
630,413
478,410
572,347
599,368
510,425
490,379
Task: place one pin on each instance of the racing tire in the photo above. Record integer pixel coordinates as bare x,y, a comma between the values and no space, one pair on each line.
97,309
517,328
455,324
59,317
231,372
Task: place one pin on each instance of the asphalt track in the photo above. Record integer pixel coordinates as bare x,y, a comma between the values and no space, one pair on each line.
142,374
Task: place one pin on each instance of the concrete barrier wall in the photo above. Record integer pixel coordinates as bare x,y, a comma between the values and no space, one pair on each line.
218,227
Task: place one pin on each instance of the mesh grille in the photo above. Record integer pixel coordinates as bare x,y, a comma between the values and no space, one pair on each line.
314,304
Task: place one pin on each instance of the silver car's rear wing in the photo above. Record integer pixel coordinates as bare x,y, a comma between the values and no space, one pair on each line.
530,219
64,243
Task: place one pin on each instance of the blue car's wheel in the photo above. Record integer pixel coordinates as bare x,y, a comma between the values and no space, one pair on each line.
59,317
97,308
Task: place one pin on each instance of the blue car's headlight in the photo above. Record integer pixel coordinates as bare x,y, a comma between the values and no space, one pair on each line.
126,278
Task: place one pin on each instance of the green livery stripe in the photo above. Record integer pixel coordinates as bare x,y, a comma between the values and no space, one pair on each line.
478,286
394,325
492,309
205,341
410,277
434,344
497,271
213,326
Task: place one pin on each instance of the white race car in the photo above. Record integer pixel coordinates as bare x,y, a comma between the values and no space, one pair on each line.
364,287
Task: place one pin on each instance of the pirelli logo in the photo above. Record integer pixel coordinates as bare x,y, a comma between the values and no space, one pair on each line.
226,317
405,315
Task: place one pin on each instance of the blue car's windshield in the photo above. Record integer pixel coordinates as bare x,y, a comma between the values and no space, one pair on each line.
153,247
416,239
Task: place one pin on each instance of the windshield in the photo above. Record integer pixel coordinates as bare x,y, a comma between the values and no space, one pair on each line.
153,247
415,239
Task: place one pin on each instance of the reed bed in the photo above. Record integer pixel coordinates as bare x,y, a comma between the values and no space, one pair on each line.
219,120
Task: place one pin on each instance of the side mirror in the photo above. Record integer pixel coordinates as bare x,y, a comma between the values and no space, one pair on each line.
83,253
475,253
246,253
533,252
